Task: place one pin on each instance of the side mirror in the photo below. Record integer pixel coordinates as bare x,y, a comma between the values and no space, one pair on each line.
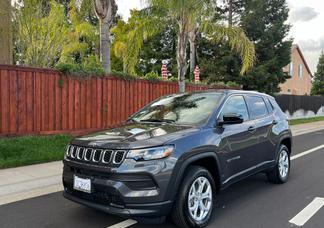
231,118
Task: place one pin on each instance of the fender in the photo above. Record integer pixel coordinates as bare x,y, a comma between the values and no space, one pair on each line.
182,165
282,138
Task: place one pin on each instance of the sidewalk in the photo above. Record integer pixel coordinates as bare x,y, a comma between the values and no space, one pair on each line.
36,180
307,128
30,181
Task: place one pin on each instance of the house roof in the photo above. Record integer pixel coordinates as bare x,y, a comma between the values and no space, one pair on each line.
295,46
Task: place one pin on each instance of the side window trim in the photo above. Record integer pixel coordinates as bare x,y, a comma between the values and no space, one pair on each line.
227,100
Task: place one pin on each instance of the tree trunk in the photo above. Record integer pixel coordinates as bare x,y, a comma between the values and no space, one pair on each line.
192,41
5,32
106,11
105,45
182,57
230,13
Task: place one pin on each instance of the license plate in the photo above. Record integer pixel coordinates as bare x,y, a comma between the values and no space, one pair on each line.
82,184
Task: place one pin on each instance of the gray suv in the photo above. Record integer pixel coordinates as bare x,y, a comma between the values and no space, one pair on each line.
174,156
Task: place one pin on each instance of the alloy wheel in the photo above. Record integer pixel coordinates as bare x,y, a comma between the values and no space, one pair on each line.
200,199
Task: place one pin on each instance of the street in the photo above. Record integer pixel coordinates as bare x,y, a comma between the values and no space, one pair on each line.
252,203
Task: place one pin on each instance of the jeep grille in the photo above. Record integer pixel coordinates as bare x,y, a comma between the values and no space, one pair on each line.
92,155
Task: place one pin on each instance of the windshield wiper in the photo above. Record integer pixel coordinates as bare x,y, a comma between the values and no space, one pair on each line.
158,120
132,120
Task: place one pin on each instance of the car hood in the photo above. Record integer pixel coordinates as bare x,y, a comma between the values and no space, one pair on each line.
134,135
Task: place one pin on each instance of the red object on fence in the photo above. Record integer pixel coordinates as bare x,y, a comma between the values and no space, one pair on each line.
41,101
164,71
197,74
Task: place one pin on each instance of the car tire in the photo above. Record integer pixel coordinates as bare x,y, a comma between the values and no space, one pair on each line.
190,195
280,173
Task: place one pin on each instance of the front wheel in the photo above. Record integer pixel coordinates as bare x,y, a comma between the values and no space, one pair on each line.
195,201
280,173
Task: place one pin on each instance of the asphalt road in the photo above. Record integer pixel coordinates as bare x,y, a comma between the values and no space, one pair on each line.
252,203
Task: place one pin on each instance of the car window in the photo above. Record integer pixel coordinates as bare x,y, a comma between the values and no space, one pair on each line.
269,106
181,108
257,107
236,105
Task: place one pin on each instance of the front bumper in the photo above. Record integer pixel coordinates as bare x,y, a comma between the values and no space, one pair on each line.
130,210
131,190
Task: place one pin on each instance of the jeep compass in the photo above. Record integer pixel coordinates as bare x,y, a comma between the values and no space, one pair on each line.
173,156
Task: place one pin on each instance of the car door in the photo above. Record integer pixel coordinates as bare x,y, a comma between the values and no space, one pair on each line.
264,121
237,140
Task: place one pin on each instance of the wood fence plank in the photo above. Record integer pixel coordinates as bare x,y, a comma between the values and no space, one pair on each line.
22,102
5,102
51,103
30,101
13,102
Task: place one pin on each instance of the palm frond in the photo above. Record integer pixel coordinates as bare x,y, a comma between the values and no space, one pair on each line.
237,40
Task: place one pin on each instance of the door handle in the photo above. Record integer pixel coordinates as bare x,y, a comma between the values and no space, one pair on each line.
251,128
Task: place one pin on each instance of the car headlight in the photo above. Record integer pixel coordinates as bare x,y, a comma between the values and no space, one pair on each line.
150,153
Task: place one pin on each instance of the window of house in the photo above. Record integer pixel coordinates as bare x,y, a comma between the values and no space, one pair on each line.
300,71
290,69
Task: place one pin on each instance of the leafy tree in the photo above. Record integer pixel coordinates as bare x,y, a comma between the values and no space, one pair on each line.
106,11
318,84
5,32
265,24
82,42
188,15
159,49
39,37
154,50
217,62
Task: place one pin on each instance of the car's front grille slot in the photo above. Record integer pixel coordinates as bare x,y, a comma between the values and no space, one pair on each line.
99,156
119,156
107,156
88,154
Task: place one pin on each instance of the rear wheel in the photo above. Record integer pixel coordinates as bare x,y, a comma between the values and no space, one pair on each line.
194,204
280,173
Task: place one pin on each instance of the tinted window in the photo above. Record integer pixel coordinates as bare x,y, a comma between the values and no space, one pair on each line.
257,107
236,105
180,108
269,105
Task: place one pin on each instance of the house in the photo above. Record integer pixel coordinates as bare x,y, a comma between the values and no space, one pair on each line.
300,82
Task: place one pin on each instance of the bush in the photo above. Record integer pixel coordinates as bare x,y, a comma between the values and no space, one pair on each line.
89,68
123,75
232,84
152,76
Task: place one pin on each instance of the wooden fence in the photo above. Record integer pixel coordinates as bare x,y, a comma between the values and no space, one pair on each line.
41,101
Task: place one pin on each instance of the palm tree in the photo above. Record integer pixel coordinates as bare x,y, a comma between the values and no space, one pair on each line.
190,15
106,11
130,36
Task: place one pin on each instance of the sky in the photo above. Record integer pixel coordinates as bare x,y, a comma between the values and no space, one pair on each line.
306,18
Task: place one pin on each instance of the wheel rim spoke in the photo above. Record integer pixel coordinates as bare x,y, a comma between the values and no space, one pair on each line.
283,165
200,199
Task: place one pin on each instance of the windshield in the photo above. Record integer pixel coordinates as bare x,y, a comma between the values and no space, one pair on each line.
180,108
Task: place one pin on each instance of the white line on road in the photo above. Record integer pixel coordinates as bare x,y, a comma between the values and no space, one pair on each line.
309,211
124,224
307,152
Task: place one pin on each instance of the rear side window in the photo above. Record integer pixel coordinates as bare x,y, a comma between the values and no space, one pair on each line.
269,105
258,108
